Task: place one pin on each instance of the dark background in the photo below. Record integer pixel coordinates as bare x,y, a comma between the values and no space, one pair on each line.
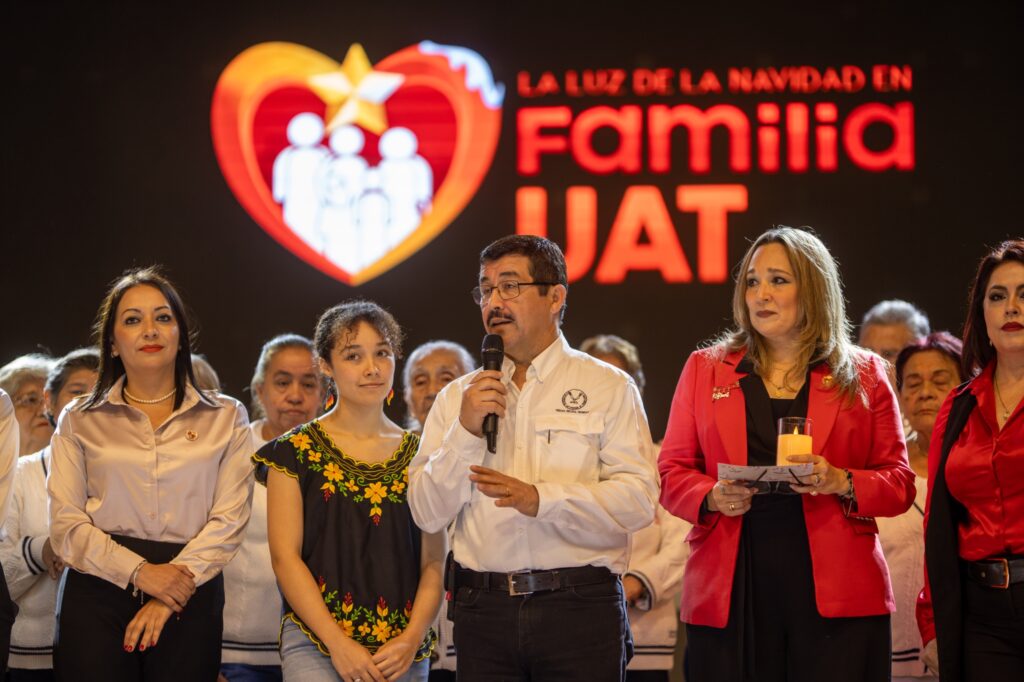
108,163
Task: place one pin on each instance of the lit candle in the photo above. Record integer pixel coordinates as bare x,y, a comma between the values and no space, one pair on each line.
794,443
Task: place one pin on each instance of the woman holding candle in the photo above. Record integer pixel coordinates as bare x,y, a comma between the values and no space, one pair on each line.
789,585
972,608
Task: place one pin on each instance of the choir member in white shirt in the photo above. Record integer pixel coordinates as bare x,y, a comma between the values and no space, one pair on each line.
287,390
542,525
9,437
149,498
657,557
429,368
30,565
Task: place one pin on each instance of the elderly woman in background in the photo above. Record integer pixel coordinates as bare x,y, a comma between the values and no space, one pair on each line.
24,379
926,371
783,586
29,562
8,457
971,612
149,496
651,582
287,390
206,375
431,367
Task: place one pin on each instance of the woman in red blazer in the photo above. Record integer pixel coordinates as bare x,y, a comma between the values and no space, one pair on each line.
790,584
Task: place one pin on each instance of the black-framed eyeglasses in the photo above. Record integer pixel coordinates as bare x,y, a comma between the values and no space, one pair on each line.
507,290
775,487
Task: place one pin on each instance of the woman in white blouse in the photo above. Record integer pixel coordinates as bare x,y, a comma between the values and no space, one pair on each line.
149,498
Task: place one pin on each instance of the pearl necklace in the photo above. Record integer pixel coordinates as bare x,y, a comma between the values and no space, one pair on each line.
147,402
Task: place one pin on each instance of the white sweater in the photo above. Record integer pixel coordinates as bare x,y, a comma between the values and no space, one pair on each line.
902,539
658,559
21,553
252,602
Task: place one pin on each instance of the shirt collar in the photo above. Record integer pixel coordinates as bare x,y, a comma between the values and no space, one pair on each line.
544,364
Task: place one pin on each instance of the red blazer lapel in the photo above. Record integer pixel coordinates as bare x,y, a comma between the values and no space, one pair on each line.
729,409
823,403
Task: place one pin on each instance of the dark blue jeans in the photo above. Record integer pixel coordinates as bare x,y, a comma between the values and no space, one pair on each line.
577,633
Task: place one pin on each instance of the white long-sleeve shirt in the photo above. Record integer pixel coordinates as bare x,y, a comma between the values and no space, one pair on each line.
8,451
578,432
252,602
28,527
188,481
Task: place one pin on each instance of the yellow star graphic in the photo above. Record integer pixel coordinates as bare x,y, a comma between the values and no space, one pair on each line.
355,93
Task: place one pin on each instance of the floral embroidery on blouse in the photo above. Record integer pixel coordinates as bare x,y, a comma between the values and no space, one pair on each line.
376,483
370,626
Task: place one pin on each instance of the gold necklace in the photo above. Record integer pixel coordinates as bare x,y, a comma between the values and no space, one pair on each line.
154,401
780,389
1006,410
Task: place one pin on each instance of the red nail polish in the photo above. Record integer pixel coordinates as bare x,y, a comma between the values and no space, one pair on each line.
128,648
142,647
152,644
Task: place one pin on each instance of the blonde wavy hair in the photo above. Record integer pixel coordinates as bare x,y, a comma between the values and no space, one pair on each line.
824,328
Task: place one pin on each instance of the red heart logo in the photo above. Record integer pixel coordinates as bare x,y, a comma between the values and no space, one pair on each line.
354,168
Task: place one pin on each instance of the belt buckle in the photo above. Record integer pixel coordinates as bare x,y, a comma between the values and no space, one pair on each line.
1006,568
512,591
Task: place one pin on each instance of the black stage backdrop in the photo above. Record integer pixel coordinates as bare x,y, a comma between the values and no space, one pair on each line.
109,162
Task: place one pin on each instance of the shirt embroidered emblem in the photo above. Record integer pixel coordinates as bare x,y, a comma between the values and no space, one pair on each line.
574,399
191,435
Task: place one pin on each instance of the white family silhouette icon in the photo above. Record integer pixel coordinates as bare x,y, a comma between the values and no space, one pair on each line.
342,207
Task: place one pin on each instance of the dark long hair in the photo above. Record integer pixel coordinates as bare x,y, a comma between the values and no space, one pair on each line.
112,368
978,350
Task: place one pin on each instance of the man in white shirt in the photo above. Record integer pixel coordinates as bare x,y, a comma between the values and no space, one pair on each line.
542,525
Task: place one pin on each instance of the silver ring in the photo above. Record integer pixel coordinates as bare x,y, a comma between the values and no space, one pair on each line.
732,506
508,492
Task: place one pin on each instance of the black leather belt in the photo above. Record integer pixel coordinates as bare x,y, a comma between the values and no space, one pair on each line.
998,573
527,582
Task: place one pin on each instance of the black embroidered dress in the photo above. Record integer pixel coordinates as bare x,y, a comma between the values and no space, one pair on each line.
359,541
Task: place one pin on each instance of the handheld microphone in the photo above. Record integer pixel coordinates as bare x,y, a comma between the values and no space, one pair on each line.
491,355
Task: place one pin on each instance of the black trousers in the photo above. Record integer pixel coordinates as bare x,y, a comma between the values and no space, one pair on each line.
93,614
993,633
577,633
774,632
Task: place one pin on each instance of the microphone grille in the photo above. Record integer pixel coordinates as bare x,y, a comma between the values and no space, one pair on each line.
493,342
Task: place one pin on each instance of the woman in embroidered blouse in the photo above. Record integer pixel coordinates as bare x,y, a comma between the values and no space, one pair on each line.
971,613
361,585
149,492
784,586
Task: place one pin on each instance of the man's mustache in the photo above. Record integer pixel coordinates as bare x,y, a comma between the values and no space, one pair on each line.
499,316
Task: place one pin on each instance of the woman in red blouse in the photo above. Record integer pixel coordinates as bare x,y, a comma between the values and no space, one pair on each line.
971,612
